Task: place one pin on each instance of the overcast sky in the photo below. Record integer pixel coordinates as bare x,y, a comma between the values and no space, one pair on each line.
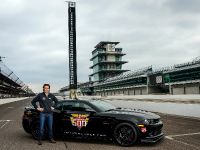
34,35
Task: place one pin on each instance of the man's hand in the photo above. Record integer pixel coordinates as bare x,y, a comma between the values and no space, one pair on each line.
40,109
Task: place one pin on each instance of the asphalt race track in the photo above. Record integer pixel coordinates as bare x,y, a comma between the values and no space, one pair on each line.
181,133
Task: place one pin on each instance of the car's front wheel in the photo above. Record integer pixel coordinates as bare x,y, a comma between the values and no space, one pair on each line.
125,134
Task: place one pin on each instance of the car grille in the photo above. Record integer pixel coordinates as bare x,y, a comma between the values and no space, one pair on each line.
155,132
153,121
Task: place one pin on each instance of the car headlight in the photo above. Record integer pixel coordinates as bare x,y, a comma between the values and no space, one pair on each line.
146,122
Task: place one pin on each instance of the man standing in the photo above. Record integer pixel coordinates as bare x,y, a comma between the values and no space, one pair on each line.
46,102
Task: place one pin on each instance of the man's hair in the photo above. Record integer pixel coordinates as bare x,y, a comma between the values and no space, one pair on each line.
46,85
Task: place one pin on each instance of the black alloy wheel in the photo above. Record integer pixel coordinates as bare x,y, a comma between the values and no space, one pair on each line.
125,134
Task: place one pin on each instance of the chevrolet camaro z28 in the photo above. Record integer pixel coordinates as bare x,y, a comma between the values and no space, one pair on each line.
98,119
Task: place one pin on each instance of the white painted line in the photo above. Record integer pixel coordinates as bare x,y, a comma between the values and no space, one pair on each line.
194,147
168,137
171,136
10,107
5,122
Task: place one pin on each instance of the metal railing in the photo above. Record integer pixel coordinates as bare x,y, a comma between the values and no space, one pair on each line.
4,70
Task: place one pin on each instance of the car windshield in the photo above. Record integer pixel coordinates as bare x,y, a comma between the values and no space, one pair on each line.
102,105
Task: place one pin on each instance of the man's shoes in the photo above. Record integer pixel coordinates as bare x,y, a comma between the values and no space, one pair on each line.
52,141
39,142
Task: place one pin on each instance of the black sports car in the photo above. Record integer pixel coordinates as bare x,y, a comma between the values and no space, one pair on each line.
98,119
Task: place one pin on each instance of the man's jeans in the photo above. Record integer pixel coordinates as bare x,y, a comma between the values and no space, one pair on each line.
48,117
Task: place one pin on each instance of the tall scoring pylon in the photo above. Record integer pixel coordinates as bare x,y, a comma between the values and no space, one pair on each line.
72,50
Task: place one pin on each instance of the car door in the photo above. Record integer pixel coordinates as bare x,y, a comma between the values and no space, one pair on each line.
65,119
87,120
57,119
78,117
83,119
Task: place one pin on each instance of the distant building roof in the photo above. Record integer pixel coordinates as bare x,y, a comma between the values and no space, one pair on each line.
102,43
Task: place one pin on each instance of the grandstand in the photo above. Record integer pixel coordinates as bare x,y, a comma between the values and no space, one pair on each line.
184,78
10,84
177,79
122,83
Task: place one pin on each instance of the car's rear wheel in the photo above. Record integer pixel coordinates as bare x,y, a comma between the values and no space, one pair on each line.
35,131
26,126
125,134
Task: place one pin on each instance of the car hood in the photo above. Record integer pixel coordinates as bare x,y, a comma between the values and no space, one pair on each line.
135,112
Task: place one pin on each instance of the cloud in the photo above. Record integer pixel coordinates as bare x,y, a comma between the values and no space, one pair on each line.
183,6
34,35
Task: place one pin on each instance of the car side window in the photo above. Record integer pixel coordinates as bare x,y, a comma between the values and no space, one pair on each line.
86,107
76,106
69,106
59,106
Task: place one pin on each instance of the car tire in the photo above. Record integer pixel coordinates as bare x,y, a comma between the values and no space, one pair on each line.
26,127
35,131
125,134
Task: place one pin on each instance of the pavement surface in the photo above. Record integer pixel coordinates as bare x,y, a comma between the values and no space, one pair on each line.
181,133
9,100
186,99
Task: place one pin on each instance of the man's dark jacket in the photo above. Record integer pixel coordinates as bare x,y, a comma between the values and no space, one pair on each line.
45,102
